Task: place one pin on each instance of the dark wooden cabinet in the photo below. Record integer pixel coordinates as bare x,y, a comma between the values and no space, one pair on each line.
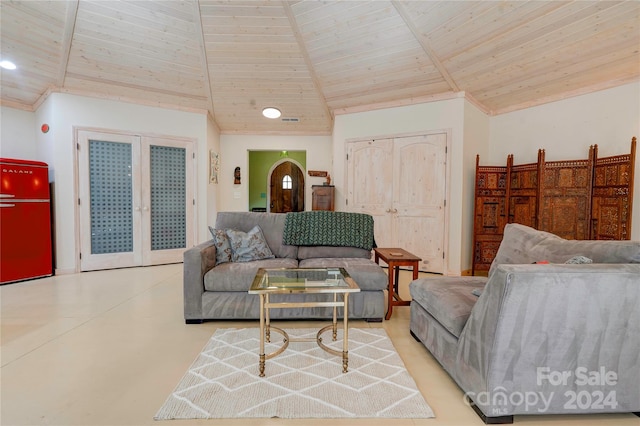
322,197
587,199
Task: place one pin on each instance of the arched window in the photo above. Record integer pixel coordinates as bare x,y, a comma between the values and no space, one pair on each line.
286,182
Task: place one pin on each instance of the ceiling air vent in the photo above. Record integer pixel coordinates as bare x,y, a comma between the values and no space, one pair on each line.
290,119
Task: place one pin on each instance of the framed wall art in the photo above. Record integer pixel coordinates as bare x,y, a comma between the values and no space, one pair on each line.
214,166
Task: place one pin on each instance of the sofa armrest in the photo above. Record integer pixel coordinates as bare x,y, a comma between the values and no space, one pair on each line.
198,261
557,318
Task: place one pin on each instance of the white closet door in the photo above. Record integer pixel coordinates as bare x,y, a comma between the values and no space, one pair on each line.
369,184
418,197
135,200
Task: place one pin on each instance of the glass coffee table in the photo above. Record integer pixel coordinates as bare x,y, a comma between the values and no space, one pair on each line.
335,282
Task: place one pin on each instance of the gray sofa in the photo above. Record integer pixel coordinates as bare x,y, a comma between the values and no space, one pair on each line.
540,338
219,291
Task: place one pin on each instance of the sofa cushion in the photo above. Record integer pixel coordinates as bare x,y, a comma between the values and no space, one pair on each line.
522,244
448,299
272,225
235,276
309,252
248,246
365,272
221,242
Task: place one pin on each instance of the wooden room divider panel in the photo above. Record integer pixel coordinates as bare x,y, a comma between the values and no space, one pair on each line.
522,193
574,199
490,213
612,196
564,203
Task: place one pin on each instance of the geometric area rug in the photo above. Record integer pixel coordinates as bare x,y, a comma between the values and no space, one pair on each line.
302,382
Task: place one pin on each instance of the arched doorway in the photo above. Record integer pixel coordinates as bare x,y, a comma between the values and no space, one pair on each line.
286,188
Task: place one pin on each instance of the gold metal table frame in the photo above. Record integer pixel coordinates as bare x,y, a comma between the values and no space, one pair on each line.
267,283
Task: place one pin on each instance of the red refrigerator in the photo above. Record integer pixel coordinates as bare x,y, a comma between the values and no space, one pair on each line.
25,221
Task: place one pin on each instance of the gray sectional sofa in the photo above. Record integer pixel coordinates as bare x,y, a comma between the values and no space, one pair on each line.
215,291
541,338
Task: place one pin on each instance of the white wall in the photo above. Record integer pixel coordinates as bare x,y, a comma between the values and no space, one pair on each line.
565,130
18,135
234,152
476,141
442,115
213,193
45,142
66,112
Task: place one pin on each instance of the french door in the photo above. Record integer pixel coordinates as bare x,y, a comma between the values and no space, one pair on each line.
135,196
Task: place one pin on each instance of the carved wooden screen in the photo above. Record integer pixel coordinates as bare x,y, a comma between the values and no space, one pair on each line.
576,199
564,206
489,214
522,193
612,193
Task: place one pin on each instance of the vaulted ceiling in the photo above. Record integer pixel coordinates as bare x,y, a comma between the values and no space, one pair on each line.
315,59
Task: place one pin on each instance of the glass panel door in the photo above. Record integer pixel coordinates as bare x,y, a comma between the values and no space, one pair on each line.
111,191
135,200
108,185
168,198
167,191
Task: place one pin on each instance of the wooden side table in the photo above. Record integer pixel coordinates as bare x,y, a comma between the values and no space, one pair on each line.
396,257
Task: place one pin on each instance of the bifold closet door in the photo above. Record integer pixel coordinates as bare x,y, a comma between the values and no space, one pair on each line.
135,200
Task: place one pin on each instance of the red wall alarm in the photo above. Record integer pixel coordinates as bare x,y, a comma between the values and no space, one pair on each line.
44,128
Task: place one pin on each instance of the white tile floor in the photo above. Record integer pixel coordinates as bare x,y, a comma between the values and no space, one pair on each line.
107,347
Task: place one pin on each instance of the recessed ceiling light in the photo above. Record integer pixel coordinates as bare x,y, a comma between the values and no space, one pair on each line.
271,112
8,65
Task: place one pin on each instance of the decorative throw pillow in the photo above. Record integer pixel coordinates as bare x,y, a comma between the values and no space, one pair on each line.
223,247
248,246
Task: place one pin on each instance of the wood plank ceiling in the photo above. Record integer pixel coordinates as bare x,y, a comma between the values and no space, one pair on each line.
315,59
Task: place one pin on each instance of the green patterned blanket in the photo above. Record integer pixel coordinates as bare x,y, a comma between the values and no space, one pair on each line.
325,228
